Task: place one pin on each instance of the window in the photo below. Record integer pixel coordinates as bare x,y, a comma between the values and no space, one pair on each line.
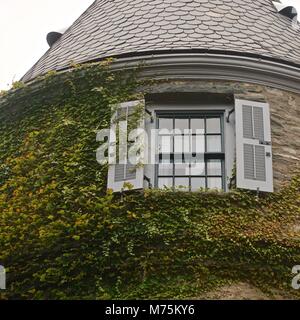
190,152
190,148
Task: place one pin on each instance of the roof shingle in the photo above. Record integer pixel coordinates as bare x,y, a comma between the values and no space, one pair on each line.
115,27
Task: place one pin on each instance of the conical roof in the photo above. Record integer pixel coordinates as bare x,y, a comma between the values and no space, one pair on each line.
112,28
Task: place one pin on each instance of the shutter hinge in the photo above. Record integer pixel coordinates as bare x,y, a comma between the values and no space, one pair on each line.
229,114
257,193
150,114
149,181
265,143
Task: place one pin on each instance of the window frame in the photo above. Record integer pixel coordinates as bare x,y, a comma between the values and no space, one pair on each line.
184,114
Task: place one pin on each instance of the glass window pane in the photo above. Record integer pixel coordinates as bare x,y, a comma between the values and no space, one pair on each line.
165,182
165,123
178,158
198,144
165,158
165,144
165,169
178,144
214,168
214,144
182,169
182,183
182,124
197,125
213,125
182,144
198,168
197,183
188,165
214,183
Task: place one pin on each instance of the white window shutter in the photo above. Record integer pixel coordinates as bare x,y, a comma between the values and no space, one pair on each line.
126,172
253,146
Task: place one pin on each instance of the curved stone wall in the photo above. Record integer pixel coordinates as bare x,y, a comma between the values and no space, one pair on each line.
285,116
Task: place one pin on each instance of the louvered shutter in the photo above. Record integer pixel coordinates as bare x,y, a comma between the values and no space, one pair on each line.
2,278
253,146
126,171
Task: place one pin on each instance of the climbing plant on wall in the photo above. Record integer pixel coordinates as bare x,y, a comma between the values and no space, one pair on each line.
63,236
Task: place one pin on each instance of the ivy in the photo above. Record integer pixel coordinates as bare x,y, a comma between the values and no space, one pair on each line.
64,236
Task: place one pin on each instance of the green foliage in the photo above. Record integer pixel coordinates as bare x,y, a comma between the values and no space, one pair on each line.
3,93
17,85
63,236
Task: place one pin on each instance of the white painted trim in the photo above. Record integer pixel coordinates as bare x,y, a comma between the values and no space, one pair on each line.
229,130
266,186
215,66
138,182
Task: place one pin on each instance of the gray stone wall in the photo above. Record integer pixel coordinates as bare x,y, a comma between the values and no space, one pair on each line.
285,122
285,116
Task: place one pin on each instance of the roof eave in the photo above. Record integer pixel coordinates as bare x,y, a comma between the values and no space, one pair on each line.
211,64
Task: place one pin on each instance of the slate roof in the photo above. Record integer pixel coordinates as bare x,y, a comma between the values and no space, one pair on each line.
116,27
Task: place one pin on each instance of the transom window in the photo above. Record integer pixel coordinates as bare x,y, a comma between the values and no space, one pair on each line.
190,152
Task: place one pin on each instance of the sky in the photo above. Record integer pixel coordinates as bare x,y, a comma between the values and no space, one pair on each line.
24,25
